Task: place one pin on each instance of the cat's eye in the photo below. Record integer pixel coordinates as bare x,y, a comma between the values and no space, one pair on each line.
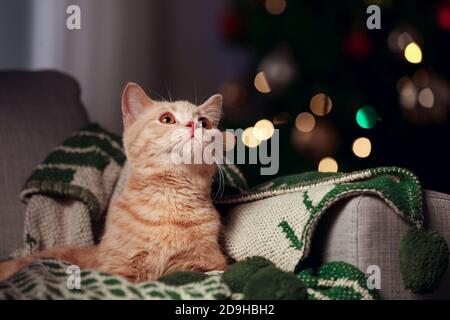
167,118
206,124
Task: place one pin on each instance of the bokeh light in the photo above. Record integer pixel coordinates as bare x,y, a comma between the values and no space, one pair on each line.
362,147
275,7
249,138
421,78
261,83
318,143
320,104
328,164
281,118
403,40
305,122
229,140
443,17
408,92
366,117
233,94
264,129
413,53
426,98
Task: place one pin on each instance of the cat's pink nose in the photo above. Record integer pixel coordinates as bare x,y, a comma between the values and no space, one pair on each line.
191,124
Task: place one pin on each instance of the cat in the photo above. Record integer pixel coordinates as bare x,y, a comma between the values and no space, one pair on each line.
164,220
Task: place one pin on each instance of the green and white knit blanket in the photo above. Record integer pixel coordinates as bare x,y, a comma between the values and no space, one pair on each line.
53,279
277,219
69,194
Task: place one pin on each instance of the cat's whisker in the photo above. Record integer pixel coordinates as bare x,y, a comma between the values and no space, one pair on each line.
159,96
221,187
168,92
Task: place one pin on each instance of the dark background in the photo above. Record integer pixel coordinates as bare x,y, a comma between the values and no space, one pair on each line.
333,52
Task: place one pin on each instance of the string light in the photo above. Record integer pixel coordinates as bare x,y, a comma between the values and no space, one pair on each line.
305,122
249,138
426,98
320,104
275,7
328,164
366,117
264,129
261,83
413,53
362,147
229,140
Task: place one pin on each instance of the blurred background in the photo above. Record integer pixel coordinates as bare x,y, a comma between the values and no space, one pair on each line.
344,97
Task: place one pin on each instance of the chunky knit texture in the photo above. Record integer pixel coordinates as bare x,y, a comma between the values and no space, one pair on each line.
48,279
423,260
68,194
277,219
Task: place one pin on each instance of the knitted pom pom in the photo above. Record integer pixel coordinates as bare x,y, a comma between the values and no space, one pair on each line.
181,278
423,260
271,283
240,272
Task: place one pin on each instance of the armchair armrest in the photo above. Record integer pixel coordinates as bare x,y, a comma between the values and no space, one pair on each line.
38,110
365,231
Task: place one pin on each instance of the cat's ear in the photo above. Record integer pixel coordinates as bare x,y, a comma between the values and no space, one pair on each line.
134,102
212,109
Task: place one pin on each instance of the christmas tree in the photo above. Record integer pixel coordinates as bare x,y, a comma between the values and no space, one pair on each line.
345,97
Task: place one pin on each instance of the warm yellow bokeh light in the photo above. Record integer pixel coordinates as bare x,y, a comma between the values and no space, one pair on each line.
426,98
320,104
328,164
413,53
264,129
305,122
261,83
275,7
229,140
362,147
249,138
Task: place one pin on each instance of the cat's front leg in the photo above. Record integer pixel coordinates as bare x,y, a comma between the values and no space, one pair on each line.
9,268
84,257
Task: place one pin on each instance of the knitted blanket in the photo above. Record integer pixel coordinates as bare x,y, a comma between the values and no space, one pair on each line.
52,279
277,219
69,194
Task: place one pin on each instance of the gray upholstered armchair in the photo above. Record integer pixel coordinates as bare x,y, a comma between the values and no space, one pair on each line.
39,109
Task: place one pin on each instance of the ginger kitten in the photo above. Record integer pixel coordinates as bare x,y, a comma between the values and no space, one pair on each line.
164,220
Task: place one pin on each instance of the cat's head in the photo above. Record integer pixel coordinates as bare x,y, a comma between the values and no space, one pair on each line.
158,134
